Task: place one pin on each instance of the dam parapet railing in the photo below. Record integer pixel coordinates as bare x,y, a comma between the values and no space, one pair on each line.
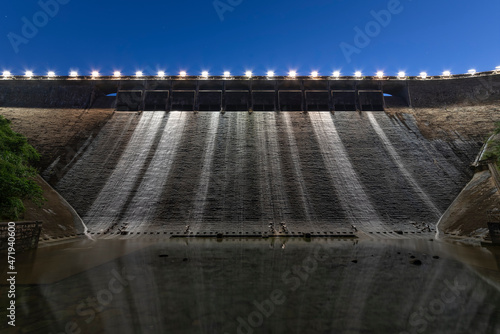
257,93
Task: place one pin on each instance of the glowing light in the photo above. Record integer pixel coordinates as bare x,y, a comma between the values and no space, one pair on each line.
423,75
248,74
161,74
28,74
51,74
402,75
446,74
183,74
74,74
205,74
472,71
292,74
336,74
380,74
6,74
117,74
139,74
358,74
95,74
270,74
314,74
227,74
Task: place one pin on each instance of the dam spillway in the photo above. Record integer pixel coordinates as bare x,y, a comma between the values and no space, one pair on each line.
239,172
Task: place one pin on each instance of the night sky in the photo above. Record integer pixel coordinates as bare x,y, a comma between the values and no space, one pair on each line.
257,35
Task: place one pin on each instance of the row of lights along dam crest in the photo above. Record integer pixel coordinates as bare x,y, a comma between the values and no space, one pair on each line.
248,74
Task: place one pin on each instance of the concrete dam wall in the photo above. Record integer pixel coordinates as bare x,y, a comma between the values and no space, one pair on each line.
169,170
240,172
384,176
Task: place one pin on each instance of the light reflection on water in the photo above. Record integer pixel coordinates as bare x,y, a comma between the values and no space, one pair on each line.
270,286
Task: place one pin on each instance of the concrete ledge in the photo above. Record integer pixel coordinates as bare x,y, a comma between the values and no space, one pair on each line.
184,93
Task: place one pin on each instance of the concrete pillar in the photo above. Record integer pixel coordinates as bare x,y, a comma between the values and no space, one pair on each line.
223,97
330,98
143,95
277,106
356,97
250,93
196,102
169,101
303,96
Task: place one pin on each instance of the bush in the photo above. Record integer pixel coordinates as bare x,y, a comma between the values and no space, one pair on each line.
16,175
493,151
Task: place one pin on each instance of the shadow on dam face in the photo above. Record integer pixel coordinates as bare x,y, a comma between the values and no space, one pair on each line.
238,173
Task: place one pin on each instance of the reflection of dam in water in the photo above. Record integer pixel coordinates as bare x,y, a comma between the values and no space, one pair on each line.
160,171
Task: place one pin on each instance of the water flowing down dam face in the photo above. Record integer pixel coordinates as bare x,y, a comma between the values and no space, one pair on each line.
241,172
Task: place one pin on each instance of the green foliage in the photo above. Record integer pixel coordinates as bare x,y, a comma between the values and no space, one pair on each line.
16,175
497,128
493,151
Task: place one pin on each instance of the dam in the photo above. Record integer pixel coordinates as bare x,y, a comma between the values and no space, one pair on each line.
207,197
247,156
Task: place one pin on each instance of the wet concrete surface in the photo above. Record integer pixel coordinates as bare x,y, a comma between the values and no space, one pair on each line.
240,172
274,285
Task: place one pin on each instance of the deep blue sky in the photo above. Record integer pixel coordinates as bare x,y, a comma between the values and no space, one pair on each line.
425,35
